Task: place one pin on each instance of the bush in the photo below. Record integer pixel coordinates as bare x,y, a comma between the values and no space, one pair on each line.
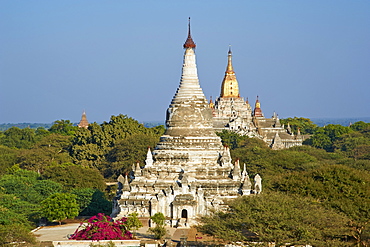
101,227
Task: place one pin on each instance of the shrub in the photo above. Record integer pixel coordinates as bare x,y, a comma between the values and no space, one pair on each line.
101,227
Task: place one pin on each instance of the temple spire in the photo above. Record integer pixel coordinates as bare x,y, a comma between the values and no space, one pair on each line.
229,61
189,84
186,108
83,123
257,109
189,43
230,87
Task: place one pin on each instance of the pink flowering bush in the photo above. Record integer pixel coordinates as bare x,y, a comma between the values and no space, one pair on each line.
102,227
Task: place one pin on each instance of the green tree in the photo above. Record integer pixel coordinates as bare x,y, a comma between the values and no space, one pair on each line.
18,138
84,197
64,127
50,150
98,204
73,176
92,146
354,144
159,230
133,222
14,227
60,206
279,218
338,187
305,125
129,151
325,137
18,206
360,126
231,139
8,158
28,186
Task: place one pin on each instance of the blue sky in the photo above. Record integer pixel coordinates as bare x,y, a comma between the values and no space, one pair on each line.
303,58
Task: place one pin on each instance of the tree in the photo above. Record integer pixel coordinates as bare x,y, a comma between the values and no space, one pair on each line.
325,137
8,158
305,125
98,204
133,222
14,227
27,186
18,138
84,197
129,151
338,187
64,127
360,126
279,218
73,176
92,146
60,206
49,150
159,230
231,139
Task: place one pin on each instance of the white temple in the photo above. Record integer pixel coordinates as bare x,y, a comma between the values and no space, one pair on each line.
189,172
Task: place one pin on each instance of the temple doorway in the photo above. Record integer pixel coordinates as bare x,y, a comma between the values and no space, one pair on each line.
184,213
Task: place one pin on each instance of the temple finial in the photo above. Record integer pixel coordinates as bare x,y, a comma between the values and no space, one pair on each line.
229,68
189,43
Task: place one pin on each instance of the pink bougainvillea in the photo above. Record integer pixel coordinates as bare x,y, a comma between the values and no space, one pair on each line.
102,227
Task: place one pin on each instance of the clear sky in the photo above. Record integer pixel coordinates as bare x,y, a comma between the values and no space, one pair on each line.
303,58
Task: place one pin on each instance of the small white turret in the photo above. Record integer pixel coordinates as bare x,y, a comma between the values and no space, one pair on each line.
257,184
149,158
236,171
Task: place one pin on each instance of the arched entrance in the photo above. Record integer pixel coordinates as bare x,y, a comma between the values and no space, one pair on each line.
184,213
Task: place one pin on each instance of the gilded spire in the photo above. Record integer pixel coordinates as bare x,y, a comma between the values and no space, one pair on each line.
229,68
230,87
189,43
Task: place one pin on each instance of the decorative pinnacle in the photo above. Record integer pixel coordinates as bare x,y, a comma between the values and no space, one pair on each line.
258,104
189,43
229,68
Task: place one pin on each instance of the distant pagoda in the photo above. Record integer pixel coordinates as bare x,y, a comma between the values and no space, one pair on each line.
83,123
232,112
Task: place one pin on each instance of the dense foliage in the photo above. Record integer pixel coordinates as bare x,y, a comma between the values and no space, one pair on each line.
113,146
305,125
327,177
277,217
60,206
314,194
58,173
